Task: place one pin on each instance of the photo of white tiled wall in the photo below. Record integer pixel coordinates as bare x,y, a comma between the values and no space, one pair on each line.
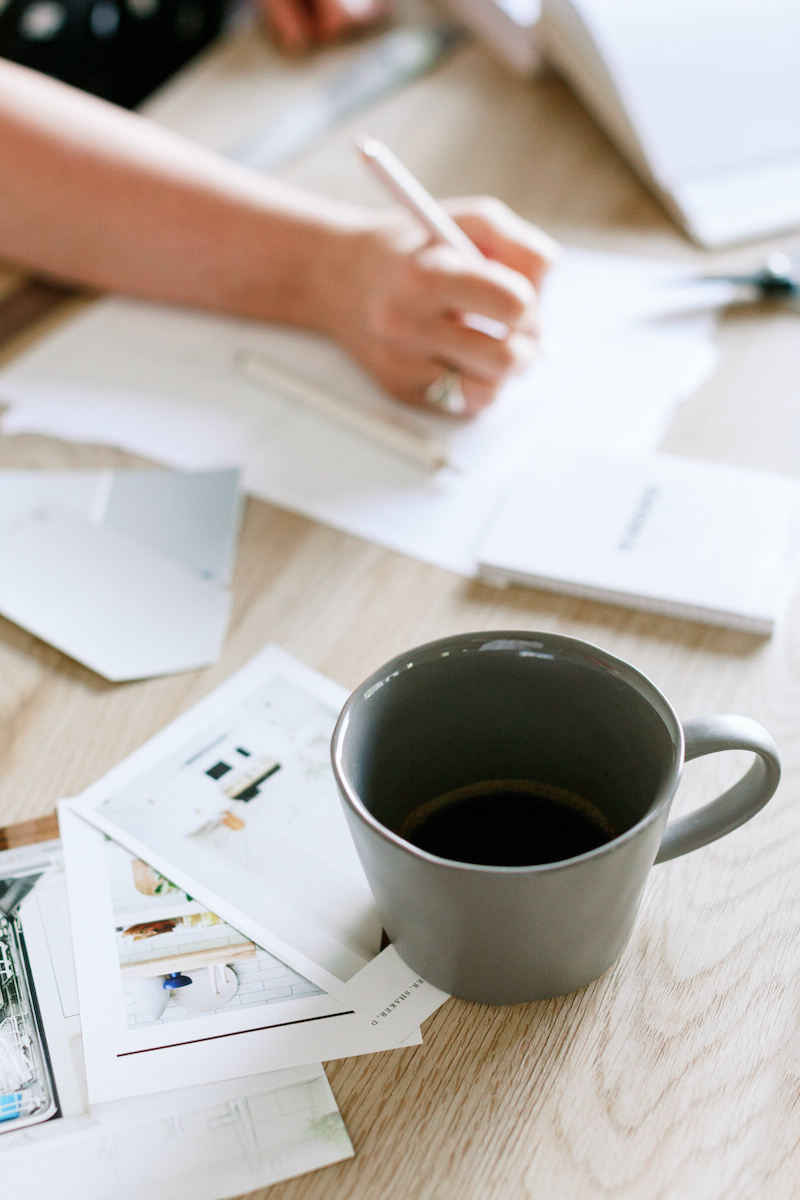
262,980
161,930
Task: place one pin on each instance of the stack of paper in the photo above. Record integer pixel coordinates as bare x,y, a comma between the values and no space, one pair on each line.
222,929
126,571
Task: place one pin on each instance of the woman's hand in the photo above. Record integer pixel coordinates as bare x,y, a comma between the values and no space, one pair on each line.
406,308
297,25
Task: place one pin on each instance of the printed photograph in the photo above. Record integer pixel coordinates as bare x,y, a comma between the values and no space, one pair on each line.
248,809
177,960
27,1092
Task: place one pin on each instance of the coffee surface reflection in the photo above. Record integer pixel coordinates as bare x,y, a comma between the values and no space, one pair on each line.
507,823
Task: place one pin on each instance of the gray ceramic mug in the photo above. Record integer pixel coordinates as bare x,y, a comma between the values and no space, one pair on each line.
510,705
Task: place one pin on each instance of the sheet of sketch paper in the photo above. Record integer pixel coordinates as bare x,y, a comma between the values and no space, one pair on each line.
619,355
172,995
235,802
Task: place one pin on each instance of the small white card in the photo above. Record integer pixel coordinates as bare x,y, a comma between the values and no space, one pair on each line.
236,804
672,535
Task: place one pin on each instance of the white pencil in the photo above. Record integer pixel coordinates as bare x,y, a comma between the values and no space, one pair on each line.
406,188
381,428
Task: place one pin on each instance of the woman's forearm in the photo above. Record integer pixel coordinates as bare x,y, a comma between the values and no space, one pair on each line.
93,194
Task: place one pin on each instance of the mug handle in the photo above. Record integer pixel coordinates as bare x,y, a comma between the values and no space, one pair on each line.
706,735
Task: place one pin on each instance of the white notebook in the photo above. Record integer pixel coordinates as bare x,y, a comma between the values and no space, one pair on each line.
670,535
703,97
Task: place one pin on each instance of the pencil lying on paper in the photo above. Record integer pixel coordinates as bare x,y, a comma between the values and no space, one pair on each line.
379,428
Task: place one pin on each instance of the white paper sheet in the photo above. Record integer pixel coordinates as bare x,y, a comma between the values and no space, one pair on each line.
138,1037
235,802
190,518
125,571
163,383
206,1142
90,593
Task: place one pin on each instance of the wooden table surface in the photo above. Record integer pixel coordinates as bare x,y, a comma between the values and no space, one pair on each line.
678,1073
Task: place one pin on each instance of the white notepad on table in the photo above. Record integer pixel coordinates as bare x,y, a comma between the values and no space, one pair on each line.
671,535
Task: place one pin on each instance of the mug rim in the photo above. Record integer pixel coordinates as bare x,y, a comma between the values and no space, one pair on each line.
619,665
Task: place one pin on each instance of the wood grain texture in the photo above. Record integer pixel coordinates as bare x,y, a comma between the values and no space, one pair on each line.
26,833
677,1074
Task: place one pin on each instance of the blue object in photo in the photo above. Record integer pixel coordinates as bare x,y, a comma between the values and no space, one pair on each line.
10,1106
176,980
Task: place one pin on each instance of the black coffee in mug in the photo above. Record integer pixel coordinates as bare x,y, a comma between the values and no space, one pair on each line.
507,823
